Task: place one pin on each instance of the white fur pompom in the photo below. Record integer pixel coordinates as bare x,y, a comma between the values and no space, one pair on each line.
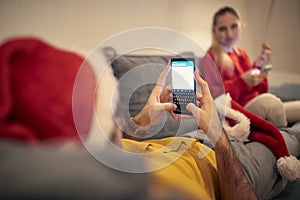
289,167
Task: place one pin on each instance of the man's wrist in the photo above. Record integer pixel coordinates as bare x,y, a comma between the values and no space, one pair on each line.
142,119
135,129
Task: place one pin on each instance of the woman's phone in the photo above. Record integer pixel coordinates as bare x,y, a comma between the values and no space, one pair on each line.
183,83
266,68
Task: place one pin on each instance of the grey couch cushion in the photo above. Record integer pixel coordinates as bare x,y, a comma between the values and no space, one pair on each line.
286,91
50,171
137,75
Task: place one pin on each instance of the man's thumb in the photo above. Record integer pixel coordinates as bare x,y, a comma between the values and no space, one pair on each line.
168,106
193,109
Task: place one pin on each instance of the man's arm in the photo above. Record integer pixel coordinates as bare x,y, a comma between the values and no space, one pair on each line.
233,182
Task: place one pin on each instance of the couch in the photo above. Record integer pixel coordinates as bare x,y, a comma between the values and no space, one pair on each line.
121,64
40,156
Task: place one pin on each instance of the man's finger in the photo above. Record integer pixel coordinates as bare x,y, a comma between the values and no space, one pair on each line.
168,107
174,116
161,107
166,95
193,109
163,75
203,84
198,96
169,87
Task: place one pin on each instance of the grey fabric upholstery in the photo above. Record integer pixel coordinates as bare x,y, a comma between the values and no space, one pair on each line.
151,67
48,171
257,160
286,91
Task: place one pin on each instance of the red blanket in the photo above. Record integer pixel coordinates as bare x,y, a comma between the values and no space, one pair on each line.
36,83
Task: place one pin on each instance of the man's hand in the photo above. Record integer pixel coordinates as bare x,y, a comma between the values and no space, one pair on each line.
206,114
233,182
157,104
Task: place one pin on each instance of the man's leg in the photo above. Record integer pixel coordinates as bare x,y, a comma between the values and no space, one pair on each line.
259,164
292,138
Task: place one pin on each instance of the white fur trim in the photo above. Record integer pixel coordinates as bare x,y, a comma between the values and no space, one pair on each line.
241,130
289,167
221,104
223,101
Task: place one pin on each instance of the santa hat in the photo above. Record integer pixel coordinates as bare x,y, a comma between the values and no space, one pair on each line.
244,125
37,98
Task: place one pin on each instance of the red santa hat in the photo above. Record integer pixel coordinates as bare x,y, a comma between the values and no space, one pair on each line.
36,91
244,125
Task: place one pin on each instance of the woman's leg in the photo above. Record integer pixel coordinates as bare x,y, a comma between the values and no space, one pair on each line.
269,107
292,111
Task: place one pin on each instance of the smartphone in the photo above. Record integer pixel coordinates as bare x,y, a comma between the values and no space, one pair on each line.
183,83
266,68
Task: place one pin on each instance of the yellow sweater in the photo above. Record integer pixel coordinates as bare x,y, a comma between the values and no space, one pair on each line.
180,165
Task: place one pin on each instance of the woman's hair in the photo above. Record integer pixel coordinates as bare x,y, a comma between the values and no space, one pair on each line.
220,56
223,11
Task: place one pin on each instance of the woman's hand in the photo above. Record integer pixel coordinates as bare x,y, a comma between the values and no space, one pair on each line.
264,56
253,79
157,104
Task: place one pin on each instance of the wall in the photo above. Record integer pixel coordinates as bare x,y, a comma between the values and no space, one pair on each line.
282,33
84,24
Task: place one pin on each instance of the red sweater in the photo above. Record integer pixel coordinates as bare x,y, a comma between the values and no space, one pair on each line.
234,84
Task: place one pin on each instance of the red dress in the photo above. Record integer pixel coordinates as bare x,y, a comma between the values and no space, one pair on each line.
233,84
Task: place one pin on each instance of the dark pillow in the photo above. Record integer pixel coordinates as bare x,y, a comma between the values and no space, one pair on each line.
150,68
286,91
137,75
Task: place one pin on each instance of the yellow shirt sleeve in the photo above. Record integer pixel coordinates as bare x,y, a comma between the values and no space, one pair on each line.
179,165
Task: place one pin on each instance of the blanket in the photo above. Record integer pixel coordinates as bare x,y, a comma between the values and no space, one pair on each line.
36,84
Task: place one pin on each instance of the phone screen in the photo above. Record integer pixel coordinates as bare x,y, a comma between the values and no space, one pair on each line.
183,83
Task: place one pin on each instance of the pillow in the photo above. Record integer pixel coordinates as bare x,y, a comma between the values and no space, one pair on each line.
125,63
137,75
286,91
